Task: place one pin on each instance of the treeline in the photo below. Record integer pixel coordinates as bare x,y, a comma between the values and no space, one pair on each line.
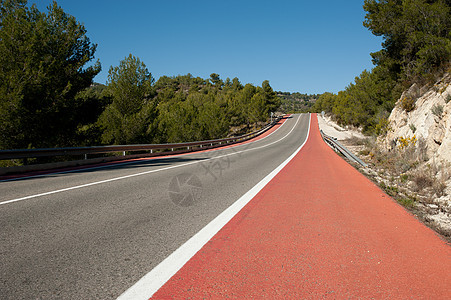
296,102
178,109
48,99
416,48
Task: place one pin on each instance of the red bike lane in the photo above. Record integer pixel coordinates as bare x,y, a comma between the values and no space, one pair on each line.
319,229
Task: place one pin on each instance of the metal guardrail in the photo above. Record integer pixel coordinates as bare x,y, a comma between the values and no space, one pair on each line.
47,152
342,149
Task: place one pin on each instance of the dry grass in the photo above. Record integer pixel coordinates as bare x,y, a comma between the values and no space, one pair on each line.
439,188
422,181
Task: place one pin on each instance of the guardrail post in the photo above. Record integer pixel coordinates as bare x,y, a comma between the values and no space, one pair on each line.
123,153
86,156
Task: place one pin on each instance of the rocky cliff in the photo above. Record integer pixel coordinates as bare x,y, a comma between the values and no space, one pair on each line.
423,116
420,130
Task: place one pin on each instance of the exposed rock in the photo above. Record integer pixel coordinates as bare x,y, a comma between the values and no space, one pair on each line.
430,119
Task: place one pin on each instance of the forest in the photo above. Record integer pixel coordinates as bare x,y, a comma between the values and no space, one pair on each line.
48,98
416,49
296,102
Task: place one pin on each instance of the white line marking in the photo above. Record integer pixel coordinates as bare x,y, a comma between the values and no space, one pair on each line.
155,279
142,173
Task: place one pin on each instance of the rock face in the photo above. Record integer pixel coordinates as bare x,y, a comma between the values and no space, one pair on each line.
424,112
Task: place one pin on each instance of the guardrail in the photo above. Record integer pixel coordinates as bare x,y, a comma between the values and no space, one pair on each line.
342,149
190,146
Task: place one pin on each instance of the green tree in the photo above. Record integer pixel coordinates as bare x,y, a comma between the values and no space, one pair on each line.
258,110
90,105
416,47
216,80
325,103
236,84
42,60
129,118
417,35
272,102
9,7
192,108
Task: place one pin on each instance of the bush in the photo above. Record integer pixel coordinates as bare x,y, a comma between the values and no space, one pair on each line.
408,103
404,178
439,188
437,110
407,202
423,181
383,126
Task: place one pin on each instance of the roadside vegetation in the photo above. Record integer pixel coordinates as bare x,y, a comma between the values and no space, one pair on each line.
48,98
296,102
416,52
416,49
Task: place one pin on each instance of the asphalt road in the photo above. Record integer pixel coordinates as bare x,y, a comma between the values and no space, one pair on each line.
318,230
92,234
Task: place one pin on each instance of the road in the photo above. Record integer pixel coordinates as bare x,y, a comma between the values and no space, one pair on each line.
319,229
93,233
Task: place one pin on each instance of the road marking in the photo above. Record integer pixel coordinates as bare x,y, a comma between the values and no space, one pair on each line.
135,161
144,173
155,279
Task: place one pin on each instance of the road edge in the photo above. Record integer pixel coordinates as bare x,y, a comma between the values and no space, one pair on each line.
150,283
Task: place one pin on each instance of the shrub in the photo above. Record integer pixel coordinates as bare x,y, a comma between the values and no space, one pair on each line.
404,177
408,103
407,202
383,126
365,152
439,188
437,110
423,181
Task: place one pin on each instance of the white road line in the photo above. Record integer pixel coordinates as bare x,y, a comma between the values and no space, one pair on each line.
155,279
141,173
135,161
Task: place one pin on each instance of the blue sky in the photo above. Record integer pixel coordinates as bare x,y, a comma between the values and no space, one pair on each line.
299,46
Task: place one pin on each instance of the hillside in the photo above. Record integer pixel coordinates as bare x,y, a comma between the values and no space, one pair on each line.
420,130
296,102
424,112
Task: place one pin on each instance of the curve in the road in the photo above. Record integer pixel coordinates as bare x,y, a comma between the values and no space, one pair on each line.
98,240
35,174
150,171
153,280
319,229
